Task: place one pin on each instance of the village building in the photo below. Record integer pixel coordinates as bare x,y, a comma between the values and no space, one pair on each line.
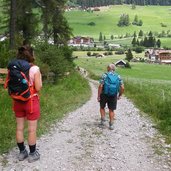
120,63
159,55
81,41
165,57
111,45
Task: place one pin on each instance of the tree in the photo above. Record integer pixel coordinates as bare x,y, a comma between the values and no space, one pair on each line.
135,34
134,41
111,37
141,33
124,20
61,30
146,44
12,25
129,55
54,22
135,20
127,22
158,43
142,42
151,40
137,43
100,37
140,23
26,21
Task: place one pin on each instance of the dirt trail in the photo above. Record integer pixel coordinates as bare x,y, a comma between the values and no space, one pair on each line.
77,143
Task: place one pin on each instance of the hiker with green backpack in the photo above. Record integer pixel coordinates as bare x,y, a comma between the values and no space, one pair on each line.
110,90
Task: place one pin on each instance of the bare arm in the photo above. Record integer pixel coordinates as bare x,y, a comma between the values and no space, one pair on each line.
121,91
99,91
38,81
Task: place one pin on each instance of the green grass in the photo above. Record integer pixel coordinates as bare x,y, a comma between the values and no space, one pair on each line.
139,70
147,85
106,20
154,99
56,101
166,42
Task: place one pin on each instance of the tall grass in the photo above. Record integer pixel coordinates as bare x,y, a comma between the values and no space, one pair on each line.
153,98
56,100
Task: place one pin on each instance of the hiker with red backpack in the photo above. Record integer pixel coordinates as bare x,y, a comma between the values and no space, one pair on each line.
110,90
24,82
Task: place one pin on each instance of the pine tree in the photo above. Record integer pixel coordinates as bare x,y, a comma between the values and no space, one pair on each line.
135,22
137,43
140,23
135,34
134,41
129,55
142,42
126,22
146,44
151,41
141,33
100,37
158,43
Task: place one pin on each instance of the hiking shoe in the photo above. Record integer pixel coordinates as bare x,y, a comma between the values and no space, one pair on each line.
23,155
102,123
33,157
111,127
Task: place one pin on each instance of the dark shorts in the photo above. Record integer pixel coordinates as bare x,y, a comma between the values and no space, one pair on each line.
111,101
23,109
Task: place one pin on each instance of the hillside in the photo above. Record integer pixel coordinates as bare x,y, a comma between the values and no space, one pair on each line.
106,20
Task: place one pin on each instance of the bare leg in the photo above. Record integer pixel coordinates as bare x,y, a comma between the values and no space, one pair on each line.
20,130
32,127
111,115
102,112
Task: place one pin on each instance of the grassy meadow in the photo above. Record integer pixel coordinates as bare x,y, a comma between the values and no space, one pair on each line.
106,21
56,101
147,85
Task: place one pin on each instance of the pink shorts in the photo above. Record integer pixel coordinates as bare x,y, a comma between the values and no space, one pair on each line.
28,110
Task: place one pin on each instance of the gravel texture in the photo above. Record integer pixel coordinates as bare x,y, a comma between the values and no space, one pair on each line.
78,144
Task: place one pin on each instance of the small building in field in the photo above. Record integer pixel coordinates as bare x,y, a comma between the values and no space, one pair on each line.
96,9
79,41
165,57
120,63
111,45
159,55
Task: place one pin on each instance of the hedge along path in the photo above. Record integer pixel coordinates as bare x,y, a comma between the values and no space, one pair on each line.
77,143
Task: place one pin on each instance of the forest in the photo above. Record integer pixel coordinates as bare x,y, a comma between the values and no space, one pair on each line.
34,18
92,3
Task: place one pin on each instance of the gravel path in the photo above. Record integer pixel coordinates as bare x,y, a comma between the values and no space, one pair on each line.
77,143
